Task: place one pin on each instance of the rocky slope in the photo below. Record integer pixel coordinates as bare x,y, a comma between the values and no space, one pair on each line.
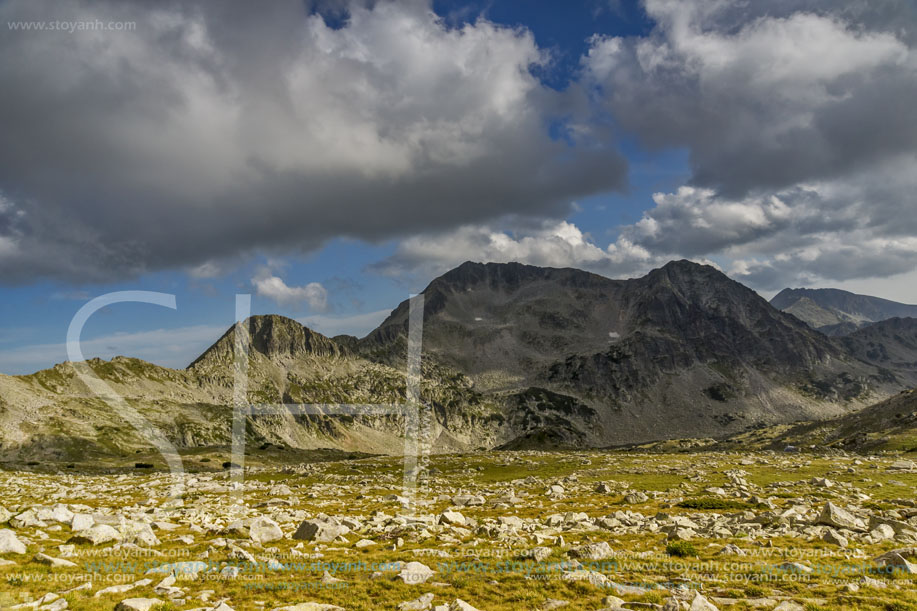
682,351
889,425
52,415
515,356
837,312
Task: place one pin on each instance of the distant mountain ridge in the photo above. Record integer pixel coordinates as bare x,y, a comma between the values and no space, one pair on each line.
837,312
515,356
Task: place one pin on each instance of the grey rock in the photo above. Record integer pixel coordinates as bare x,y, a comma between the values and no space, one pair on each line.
138,604
323,531
10,543
896,561
96,535
453,518
139,533
80,522
882,532
264,530
415,572
423,603
700,603
832,515
835,538
467,500
903,465
57,563
595,578
593,551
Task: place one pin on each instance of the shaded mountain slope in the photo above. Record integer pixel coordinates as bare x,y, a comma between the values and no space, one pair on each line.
681,350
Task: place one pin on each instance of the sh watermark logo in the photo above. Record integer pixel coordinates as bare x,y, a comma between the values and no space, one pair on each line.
417,417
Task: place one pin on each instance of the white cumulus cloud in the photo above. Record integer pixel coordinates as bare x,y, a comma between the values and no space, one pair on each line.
553,244
273,287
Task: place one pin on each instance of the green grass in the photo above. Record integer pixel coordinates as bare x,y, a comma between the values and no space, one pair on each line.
675,476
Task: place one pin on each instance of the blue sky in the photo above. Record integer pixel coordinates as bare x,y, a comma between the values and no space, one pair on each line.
338,168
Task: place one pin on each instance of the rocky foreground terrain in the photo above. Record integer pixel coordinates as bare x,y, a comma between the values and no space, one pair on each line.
491,531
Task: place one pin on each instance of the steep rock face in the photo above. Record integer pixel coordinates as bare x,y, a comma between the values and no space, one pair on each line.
291,364
702,355
497,322
820,318
837,312
681,351
716,318
514,316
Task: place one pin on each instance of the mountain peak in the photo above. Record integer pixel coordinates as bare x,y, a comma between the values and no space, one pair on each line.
692,279
273,336
687,267
512,274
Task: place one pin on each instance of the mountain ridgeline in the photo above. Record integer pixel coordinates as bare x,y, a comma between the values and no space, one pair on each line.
836,312
514,356
683,351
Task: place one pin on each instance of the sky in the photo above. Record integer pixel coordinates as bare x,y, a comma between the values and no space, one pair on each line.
330,158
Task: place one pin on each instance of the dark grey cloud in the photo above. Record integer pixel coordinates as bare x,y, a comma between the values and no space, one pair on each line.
213,129
830,259
209,131
767,95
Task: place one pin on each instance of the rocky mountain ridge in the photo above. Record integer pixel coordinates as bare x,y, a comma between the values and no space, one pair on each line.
514,356
683,350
